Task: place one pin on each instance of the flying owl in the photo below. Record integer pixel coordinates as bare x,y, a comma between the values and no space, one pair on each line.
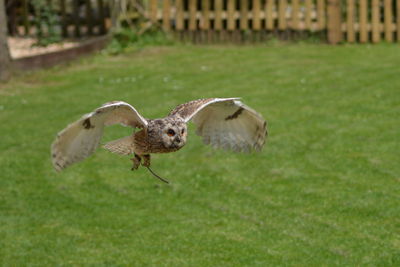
222,122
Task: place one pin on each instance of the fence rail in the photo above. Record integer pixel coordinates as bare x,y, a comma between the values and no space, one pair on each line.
205,20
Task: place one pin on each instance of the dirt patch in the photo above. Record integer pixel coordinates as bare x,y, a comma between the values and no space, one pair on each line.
24,47
26,57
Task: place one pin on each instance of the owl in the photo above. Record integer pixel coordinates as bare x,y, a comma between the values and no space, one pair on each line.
224,123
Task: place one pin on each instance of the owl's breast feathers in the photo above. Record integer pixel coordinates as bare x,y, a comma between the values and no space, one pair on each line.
148,141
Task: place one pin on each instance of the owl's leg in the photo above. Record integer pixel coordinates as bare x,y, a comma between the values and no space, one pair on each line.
136,162
146,160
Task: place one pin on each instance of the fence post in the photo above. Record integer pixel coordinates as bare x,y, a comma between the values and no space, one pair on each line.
25,15
64,22
89,17
76,18
334,22
115,7
101,15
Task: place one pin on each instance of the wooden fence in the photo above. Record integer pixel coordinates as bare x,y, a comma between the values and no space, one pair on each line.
72,18
371,21
241,20
225,20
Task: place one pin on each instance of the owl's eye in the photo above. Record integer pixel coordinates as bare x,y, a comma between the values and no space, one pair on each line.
171,132
183,130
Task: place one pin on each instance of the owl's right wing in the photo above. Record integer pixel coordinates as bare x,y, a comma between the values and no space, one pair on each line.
81,138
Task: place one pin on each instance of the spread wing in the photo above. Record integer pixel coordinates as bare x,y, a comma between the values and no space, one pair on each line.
225,123
81,138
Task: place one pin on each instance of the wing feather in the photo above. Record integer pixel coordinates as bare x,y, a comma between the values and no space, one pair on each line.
122,113
225,123
81,138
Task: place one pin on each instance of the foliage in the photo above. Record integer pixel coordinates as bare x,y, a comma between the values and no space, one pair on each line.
129,39
324,192
46,22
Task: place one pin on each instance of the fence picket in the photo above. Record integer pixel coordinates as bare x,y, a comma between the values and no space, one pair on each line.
244,16
376,22
77,24
256,15
231,15
25,17
218,15
63,15
100,5
269,8
89,17
153,10
363,21
295,15
205,22
179,14
350,21
388,20
166,15
308,19
282,15
192,14
334,22
321,14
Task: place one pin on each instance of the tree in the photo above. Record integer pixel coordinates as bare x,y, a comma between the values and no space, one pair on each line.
5,60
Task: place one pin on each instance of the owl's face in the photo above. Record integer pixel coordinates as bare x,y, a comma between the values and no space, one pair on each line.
174,134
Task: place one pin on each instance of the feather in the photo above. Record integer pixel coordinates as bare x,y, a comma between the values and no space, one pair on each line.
81,138
225,123
122,146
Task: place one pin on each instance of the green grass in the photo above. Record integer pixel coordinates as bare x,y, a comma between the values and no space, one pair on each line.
324,191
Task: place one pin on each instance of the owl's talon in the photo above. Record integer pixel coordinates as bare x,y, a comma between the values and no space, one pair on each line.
134,167
136,162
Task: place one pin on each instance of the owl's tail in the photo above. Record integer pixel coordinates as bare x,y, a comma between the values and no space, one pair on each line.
122,146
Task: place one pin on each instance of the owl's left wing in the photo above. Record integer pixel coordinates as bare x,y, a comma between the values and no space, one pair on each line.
225,123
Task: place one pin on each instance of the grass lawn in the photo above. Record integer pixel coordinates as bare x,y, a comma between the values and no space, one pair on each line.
324,191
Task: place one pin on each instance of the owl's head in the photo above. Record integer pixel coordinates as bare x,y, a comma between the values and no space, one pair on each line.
173,133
